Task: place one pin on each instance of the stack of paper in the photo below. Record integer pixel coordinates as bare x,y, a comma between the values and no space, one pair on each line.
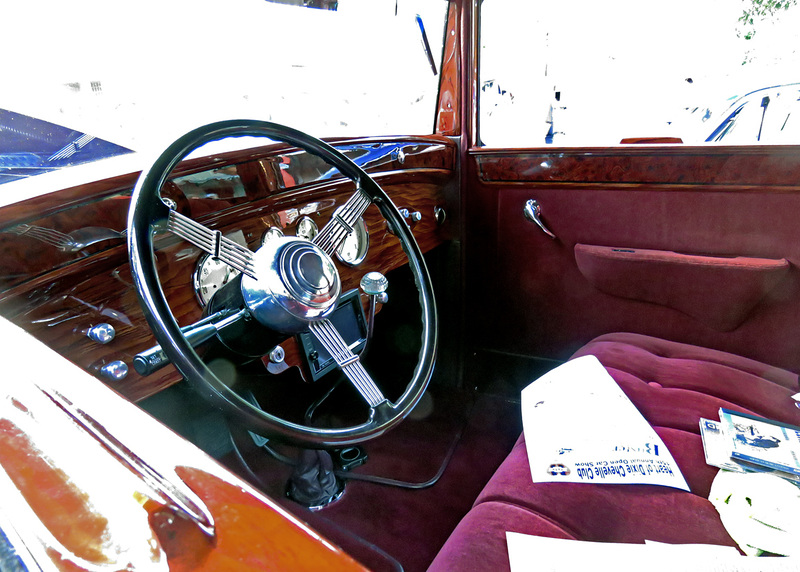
745,443
755,493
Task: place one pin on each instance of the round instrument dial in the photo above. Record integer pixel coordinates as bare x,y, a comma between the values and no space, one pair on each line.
272,232
210,275
306,228
353,249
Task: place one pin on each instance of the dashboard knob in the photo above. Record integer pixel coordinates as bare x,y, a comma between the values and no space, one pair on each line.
101,333
115,371
409,215
439,214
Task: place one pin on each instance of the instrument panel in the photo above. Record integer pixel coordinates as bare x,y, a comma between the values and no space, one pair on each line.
61,295
211,274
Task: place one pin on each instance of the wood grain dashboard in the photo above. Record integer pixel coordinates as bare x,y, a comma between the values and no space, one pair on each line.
56,284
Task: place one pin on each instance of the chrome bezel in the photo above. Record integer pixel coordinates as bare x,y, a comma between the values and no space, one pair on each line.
362,234
196,279
308,221
271,233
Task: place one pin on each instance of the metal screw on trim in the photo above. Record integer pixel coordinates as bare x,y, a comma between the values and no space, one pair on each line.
277,355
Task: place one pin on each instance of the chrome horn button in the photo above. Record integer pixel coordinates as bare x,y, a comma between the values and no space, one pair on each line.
307,274
297,283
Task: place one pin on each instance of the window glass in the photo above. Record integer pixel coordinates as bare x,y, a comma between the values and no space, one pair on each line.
140,74
585,73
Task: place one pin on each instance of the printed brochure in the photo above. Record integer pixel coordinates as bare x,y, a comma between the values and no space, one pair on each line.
581,428
762,442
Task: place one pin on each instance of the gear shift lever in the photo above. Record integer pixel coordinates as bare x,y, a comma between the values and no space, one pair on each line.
374,285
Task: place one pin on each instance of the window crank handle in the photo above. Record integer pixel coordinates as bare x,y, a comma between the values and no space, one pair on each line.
533,212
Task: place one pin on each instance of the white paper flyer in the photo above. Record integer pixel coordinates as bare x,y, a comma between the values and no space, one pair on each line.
581,428
540,554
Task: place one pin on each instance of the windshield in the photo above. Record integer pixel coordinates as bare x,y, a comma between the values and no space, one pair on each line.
31,146
139,75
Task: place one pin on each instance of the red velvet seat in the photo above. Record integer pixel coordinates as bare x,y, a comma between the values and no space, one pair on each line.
673,385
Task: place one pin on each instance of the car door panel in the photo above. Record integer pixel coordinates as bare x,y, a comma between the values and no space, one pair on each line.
713,232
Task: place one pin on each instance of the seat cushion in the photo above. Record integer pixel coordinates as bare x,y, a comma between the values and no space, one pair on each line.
672,385
480,538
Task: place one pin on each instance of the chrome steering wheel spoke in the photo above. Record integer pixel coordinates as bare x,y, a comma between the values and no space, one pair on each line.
351,366
343,222
212,242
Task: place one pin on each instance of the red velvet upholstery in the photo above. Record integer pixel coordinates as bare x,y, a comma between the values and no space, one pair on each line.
479,540
687,283
673,385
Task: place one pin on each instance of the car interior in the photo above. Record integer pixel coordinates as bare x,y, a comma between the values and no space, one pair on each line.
347,323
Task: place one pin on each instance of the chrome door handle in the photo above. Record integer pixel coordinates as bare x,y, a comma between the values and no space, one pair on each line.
533,212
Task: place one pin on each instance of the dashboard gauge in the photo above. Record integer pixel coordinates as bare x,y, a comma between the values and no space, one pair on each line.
210,275
272,232
306,228
353,249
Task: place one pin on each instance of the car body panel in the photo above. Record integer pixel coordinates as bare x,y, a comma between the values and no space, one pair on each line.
99,502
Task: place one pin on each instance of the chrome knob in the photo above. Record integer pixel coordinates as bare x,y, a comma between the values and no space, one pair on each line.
101,333
115,371
374,283
439,214
413,216
398,155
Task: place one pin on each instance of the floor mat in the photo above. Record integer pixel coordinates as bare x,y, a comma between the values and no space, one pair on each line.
409,525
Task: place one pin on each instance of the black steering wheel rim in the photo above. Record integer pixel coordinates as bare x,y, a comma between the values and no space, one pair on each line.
147,210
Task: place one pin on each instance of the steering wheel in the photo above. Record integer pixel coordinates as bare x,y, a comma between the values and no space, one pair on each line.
289,285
